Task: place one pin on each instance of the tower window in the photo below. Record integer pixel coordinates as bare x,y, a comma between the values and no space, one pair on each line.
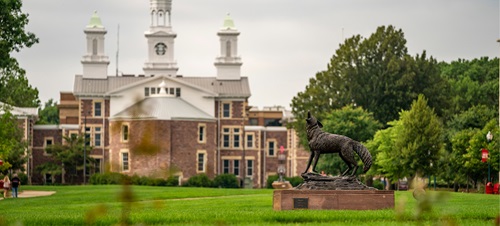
228,48
94,47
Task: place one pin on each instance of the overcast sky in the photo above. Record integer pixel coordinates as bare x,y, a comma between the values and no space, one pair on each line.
283,43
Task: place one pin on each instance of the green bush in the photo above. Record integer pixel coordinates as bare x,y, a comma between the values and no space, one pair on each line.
23,177
173,181
295,181
226,181
109,178
200,180
378,184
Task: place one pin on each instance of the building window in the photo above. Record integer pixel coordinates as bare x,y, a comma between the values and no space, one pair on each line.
249,168
201,161
225,137
226,166
253,121
87,136
236,138
125,161
201,133
146,91
97,109
48,141
124,133
271,148
73,135
226,110
249,140
172,90
177,92
97,165
236,167
97,136
153,90
272,122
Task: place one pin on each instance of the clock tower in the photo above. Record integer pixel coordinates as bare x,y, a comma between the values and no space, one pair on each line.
160,41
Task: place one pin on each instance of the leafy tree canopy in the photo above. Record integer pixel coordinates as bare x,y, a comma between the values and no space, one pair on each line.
375,73
421,138
49,114
14,87
472,82
10,136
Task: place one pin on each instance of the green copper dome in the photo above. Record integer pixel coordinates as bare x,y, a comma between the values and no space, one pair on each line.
95,21
228,22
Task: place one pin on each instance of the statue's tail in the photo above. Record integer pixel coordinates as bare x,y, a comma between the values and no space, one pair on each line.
365,156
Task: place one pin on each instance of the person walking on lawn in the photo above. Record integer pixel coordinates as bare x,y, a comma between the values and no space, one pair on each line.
15,182
6,186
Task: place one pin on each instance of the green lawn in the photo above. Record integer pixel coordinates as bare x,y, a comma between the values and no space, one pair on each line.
143,205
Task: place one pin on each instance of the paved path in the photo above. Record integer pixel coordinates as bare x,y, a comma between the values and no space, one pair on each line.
30,194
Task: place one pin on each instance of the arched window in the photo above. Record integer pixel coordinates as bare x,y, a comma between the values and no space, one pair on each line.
161,18
94,47
228,48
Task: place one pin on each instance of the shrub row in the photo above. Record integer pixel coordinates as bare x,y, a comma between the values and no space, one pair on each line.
200,180
220,181
118,178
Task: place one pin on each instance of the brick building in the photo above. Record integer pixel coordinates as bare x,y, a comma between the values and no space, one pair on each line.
160,123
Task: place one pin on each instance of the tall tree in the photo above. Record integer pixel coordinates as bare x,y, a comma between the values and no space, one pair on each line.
14,87
10,136
421,138
350,121
388,159
68,157
375,73
49,114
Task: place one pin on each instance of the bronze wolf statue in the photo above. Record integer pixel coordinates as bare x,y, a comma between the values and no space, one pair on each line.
322,142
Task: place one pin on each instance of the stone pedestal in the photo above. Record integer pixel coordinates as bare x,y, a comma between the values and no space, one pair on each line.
282,185
332,199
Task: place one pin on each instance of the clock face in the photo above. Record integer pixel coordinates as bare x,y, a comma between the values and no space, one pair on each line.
161,48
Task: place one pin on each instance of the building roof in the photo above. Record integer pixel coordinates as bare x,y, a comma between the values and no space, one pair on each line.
224,88
20,111
163,108
95,21
228,23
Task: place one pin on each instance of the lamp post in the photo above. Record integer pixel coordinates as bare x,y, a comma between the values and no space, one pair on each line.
489,137
85,148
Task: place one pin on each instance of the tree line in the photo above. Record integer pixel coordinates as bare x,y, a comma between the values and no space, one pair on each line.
417,116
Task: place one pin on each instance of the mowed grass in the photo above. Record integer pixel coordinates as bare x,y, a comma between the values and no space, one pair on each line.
143,205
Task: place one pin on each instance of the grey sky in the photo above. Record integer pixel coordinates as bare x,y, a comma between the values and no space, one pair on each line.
282,43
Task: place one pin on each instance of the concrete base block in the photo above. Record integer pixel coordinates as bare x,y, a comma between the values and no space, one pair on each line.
332,199
282,185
